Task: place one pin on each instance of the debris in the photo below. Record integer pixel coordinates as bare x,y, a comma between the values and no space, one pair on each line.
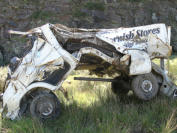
58,50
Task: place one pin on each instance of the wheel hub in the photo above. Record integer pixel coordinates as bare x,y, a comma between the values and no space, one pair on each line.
45,109
175,94
146,86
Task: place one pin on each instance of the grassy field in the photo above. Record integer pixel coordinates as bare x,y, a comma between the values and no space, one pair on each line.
92,108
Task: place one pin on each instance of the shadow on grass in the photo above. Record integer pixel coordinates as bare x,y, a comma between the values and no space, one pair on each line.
173,56
108,115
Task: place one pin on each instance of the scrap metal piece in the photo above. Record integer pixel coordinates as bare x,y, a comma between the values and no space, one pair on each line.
168,87
158,48
95,79
140,62
130,52
125,60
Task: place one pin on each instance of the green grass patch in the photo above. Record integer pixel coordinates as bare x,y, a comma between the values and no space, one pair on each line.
103,116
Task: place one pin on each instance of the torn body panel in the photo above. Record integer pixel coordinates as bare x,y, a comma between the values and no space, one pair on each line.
44,55
168,87
140,62
102,51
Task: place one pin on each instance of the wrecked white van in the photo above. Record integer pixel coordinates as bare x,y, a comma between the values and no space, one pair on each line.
125,54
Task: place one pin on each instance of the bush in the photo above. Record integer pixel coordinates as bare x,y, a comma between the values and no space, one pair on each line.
42,15
95,6
77,13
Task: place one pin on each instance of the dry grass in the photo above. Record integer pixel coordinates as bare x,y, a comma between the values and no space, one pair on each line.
171,124
3,76
92,108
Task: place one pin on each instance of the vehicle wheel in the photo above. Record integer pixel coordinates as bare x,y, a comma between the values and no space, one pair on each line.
121,87
45,106
145,86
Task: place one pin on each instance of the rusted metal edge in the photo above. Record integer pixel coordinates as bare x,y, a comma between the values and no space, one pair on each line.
95,79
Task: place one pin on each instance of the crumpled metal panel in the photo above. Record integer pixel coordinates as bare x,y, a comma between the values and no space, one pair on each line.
168,87
134,38
142,43
152,39
140,62
41,56
158,48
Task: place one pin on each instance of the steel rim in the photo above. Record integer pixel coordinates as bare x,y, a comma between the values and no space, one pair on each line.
146,86
45,109
175,93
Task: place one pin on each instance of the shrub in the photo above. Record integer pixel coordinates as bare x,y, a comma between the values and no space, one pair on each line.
95,5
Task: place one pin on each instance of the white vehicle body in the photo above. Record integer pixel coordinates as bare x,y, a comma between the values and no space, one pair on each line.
138,45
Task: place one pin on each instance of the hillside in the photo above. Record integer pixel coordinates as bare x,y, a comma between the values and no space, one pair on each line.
26,14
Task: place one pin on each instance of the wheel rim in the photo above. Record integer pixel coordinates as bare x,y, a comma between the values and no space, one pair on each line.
175,93
45,109
146,86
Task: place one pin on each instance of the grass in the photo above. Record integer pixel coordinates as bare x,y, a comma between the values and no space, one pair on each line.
92,108
3,76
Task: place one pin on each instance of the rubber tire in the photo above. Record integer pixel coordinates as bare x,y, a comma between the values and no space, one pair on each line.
43,97
121,87
139,92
